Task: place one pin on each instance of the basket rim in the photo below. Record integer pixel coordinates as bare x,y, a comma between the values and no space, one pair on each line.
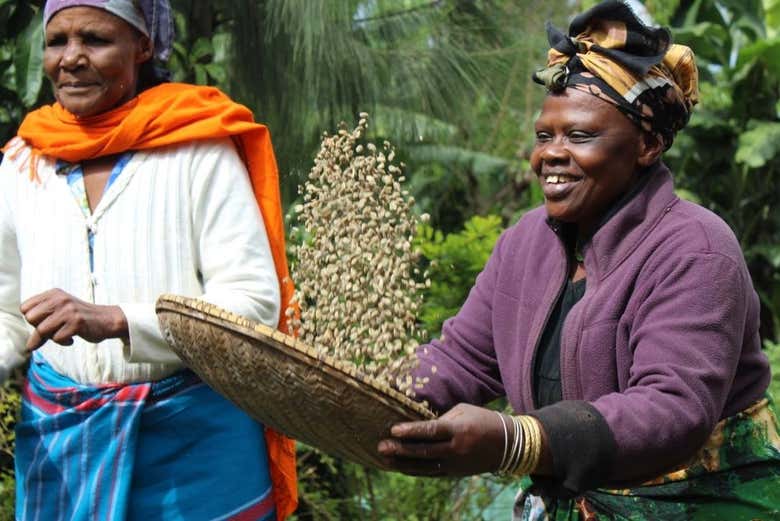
290,346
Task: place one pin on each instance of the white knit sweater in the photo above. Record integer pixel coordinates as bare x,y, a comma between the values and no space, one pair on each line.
179,219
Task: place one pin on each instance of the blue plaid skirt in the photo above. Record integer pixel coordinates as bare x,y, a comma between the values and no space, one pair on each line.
168,450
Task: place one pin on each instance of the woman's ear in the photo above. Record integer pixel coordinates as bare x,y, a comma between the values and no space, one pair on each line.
145,50
650,149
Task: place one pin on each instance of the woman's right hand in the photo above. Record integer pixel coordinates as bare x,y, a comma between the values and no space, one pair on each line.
466,440
59,316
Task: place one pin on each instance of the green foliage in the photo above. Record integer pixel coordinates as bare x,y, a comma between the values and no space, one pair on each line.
772,10
454,260
202,45
766,258
28,62
409,63
331,489
482,166
7,499
21,58
662,10
759,145
772,350
343,57
10,402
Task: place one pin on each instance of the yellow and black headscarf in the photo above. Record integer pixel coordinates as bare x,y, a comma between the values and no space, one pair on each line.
611,54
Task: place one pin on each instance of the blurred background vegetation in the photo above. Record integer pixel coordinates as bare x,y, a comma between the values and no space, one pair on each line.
448,83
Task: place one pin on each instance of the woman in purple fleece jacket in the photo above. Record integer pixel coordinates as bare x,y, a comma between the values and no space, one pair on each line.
620,321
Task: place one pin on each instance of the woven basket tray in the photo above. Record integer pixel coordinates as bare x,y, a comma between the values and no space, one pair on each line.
284,383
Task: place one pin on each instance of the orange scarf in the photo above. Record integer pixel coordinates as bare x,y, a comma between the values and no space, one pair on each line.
170,114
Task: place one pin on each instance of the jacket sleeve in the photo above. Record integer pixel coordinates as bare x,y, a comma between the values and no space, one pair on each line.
234,258
686,337
13,328
461,364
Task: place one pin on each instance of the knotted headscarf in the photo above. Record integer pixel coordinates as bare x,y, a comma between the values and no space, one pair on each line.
611,54
152,17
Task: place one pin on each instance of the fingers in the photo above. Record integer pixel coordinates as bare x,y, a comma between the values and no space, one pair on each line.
466,440
40,316
38,299
432,430
35,341
30,303
51,328
37,312
46,313
397,448
415,458
418,448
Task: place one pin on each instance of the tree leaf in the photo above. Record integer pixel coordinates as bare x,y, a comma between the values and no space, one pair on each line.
8,75
201,49
217,72
221,43
759,145
768,51
6,10
711,41
201,75
771,252
179,50
479,162
772,10
411,126
28,62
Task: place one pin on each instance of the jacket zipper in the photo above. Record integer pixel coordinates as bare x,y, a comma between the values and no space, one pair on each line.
567,268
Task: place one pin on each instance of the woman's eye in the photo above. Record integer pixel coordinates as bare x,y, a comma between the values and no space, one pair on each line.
542,137
55,41
93,39
578,136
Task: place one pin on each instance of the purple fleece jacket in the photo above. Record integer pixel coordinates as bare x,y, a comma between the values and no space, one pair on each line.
663,344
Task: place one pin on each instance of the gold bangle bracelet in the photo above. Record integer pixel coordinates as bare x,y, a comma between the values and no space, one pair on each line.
536,446
522,464
532,446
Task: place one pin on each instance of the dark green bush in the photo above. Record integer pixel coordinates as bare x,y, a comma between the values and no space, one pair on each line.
10,402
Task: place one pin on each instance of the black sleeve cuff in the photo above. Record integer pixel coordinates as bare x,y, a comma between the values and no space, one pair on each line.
581,444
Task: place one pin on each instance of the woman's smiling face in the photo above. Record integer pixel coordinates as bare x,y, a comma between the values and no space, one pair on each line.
586,155
92,59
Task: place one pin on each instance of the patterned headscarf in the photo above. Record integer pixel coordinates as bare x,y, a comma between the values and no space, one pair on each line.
611,54
152,17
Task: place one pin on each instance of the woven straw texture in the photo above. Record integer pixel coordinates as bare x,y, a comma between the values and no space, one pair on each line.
284,383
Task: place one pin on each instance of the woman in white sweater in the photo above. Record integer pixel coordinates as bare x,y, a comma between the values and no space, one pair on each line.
126,188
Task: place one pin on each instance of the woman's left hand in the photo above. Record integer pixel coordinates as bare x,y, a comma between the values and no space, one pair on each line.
466,440
59,316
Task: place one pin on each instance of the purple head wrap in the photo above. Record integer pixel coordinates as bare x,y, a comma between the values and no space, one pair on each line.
152,17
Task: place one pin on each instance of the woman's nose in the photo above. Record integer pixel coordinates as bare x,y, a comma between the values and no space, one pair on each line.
73,55
554,151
